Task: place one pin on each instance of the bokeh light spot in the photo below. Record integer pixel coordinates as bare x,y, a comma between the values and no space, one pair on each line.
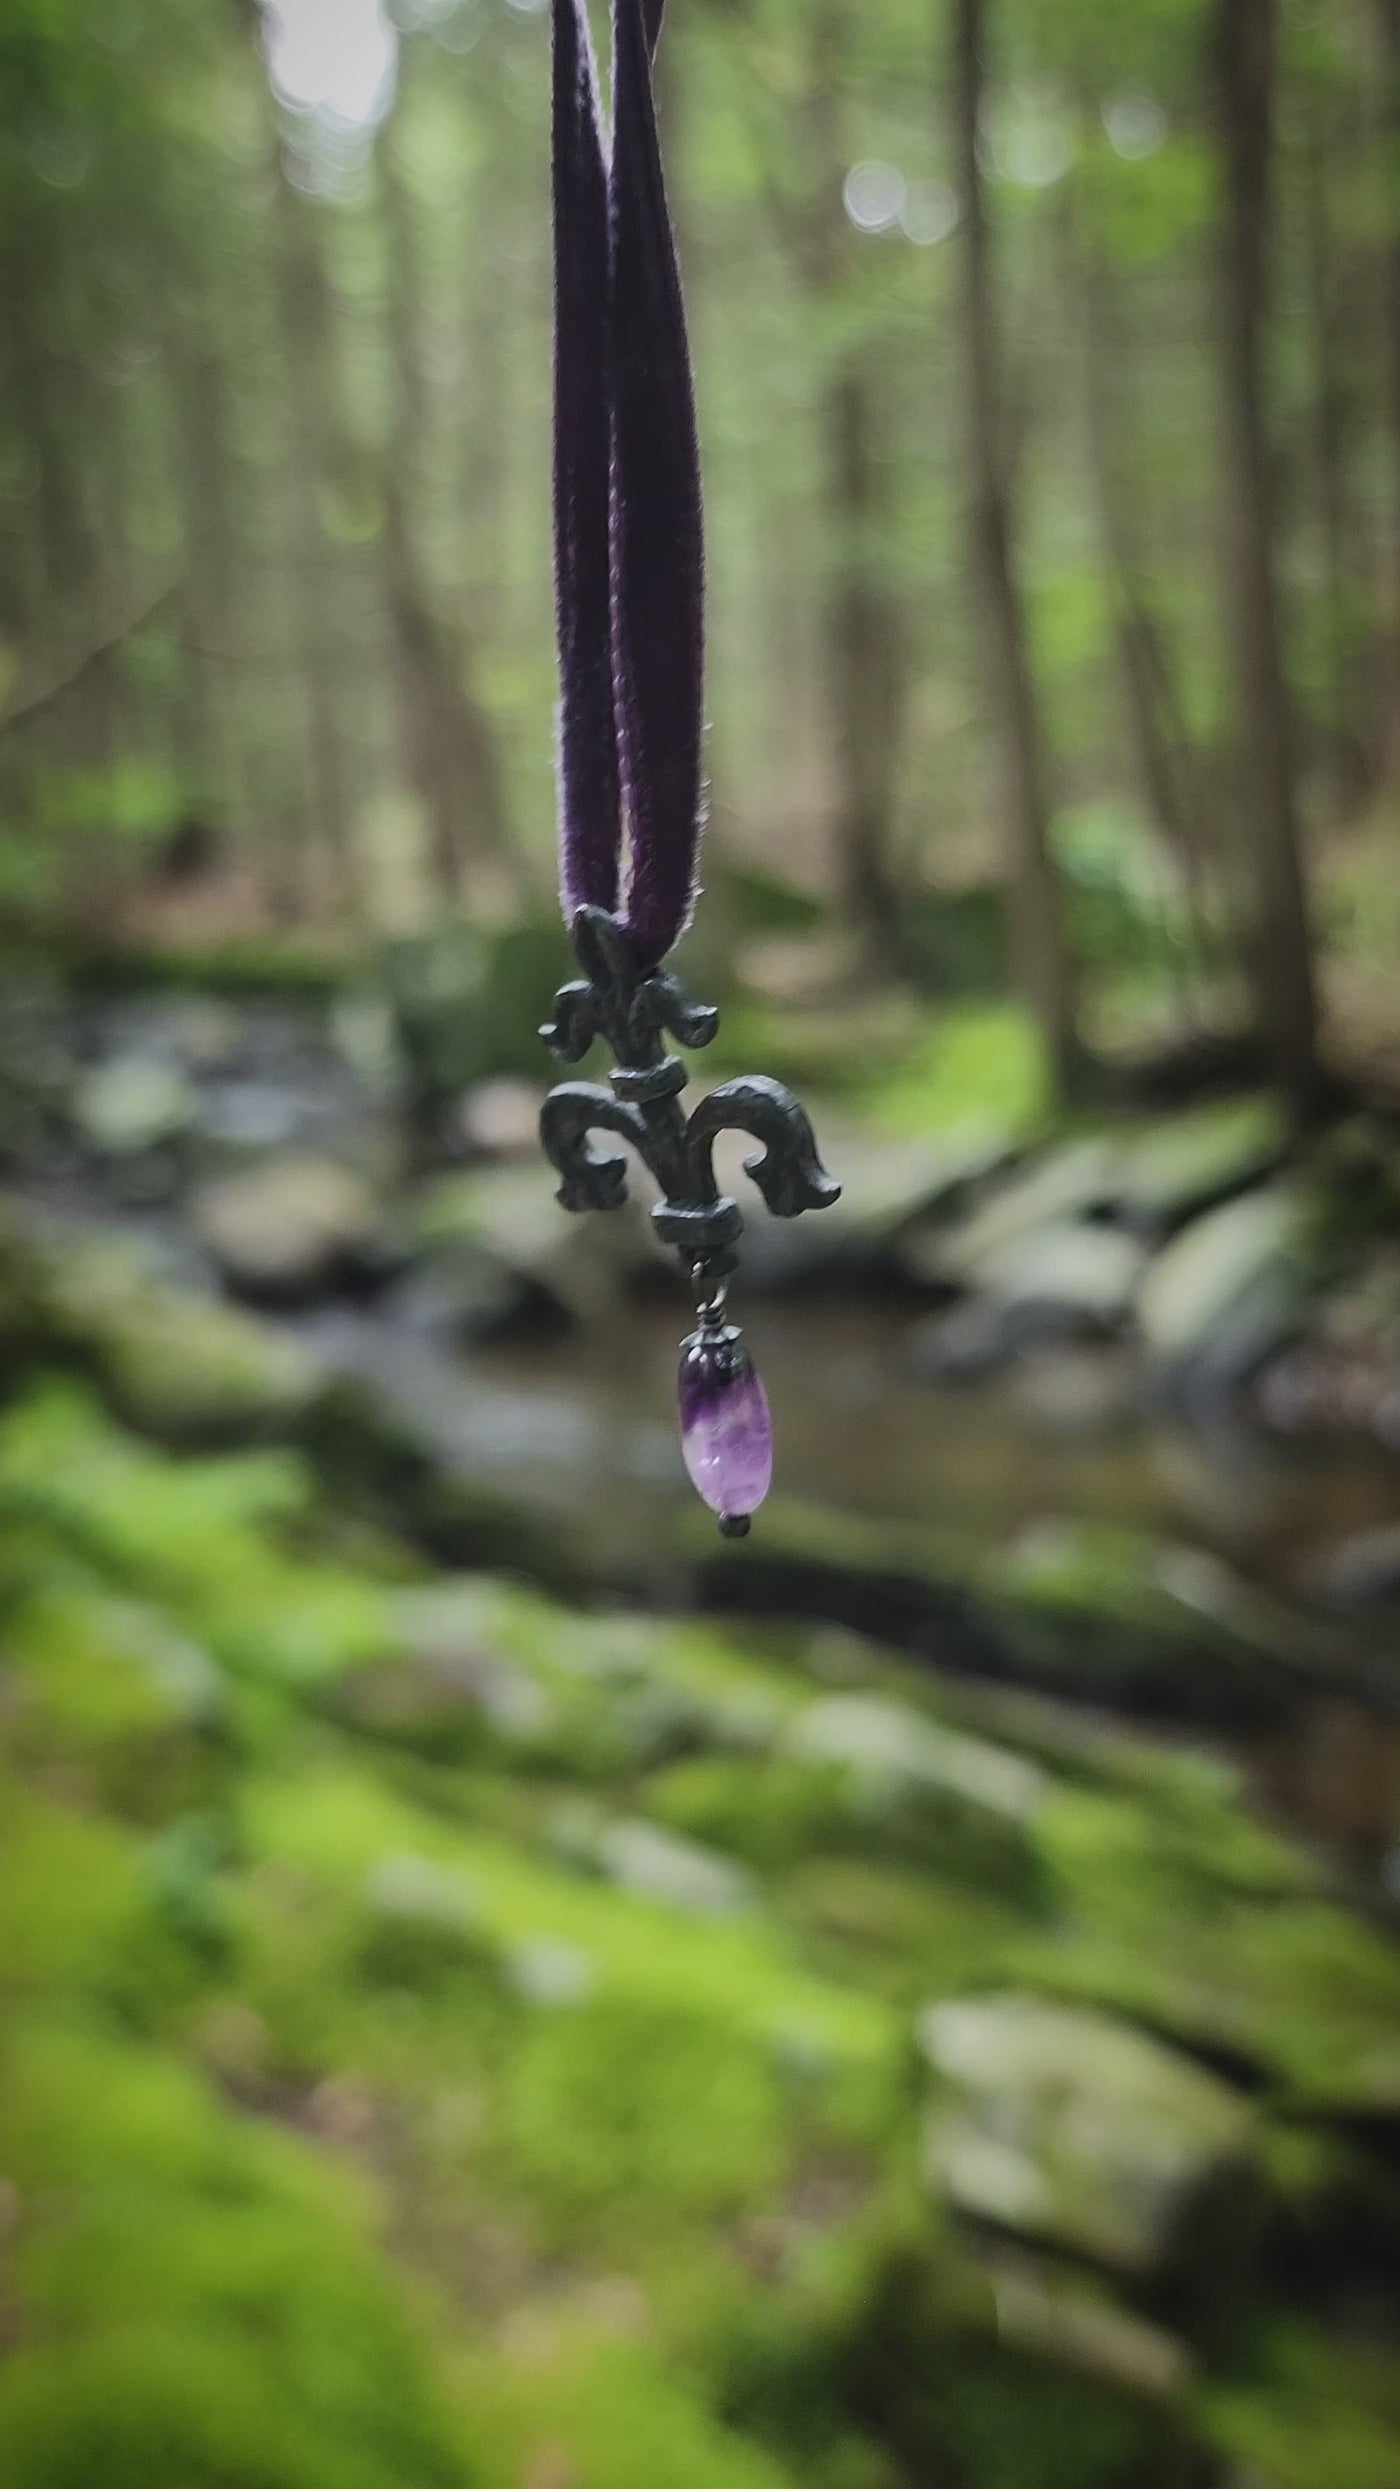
1135,124
874,195
336,57
930,212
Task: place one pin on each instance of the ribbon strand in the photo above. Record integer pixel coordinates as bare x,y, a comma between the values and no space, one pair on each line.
629,560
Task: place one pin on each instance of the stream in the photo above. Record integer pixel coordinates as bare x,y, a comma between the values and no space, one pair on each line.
577,1426
581,1428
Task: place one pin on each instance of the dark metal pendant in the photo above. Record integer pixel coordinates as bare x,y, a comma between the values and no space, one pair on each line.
723,1411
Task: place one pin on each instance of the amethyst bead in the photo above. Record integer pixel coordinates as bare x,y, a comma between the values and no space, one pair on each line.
726,1432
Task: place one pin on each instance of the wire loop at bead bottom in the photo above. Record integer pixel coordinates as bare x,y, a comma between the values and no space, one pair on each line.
711,1296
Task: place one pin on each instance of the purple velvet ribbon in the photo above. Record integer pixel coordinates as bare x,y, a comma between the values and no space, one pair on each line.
629,551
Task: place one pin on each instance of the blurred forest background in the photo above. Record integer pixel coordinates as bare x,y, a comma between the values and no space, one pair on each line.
498,1988
1050,398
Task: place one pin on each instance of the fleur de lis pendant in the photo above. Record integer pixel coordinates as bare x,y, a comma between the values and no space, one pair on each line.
726,1431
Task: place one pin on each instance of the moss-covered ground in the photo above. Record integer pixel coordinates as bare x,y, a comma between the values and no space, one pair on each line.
453,2042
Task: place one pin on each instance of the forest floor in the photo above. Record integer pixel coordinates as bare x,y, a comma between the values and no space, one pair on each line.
459,2035
455,2038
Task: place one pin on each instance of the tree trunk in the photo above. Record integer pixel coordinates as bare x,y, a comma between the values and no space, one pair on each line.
449,744
865,666
1333,312
306,313
1285,997
1037,912
864,669
1171,779
1388,18
214,640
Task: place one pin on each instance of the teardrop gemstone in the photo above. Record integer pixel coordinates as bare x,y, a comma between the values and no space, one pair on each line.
726,1431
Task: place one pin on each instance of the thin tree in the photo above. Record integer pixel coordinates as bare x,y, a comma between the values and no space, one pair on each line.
864,654
1244,47
864,671
865,660
448,739
1335,321
1037,908
1388,23
860,616
1169,770
305,314
211,620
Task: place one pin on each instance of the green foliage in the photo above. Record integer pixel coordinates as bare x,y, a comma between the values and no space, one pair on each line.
979,1069
613,2109
201,2298
198,1537
1280,2423
1125,897
605,2409
383,2110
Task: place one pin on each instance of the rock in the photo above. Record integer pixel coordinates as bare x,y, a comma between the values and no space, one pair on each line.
480,1665
1229,1288
1056,1282
645,1858
465,1296
1079,1389
478,1475
189,1371
896,1582
500,1118
1361,1571
888,1187
1174,1907
1069,1276
1182,1164
240,1120
951,1800
1047,2313
509,1216
204,1032
484,1667
1146,1178
1099,1611
176,1364
447,1704
426,1921
1108,1611
968,1342
1060,1188
1067,2127
405,1886
290,1228
133,1104
548,1971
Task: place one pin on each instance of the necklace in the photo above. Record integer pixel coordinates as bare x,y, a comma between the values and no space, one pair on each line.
629,610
